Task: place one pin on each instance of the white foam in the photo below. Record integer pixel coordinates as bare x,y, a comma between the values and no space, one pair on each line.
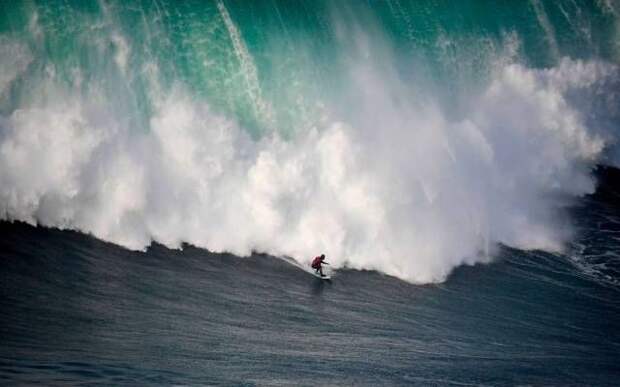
121,57
398,186
247,67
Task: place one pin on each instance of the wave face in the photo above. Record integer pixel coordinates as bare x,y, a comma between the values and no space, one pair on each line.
404,137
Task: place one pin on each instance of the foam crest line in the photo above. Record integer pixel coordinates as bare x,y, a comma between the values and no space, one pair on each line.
248,69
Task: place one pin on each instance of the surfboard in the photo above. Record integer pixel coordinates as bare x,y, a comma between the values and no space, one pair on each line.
326,277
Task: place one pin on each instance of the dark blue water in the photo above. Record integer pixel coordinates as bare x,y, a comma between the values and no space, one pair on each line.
78,311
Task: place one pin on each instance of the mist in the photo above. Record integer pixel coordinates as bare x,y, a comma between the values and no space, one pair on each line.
383,175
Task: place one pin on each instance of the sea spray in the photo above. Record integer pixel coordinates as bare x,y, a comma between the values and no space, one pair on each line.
393,167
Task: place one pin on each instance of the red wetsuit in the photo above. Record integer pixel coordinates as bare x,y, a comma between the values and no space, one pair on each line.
316,262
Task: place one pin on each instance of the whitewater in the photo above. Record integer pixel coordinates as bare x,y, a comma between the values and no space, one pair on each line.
116,122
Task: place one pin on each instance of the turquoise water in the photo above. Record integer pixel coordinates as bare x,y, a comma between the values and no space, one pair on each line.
273,65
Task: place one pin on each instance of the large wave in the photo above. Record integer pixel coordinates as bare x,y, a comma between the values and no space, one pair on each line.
384,175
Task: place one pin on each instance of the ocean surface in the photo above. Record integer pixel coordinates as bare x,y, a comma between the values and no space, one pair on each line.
168,170
79,311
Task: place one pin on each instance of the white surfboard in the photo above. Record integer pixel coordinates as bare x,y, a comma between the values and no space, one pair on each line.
325,277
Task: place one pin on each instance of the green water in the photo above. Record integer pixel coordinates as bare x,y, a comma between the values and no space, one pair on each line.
276,65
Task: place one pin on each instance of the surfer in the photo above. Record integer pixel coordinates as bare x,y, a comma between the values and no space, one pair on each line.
317,262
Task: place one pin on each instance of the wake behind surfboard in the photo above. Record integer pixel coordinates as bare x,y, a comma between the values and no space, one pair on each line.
308,269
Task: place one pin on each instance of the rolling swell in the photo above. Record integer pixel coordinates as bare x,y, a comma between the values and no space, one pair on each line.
79,310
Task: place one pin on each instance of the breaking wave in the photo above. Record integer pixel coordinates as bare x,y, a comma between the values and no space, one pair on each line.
378,165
